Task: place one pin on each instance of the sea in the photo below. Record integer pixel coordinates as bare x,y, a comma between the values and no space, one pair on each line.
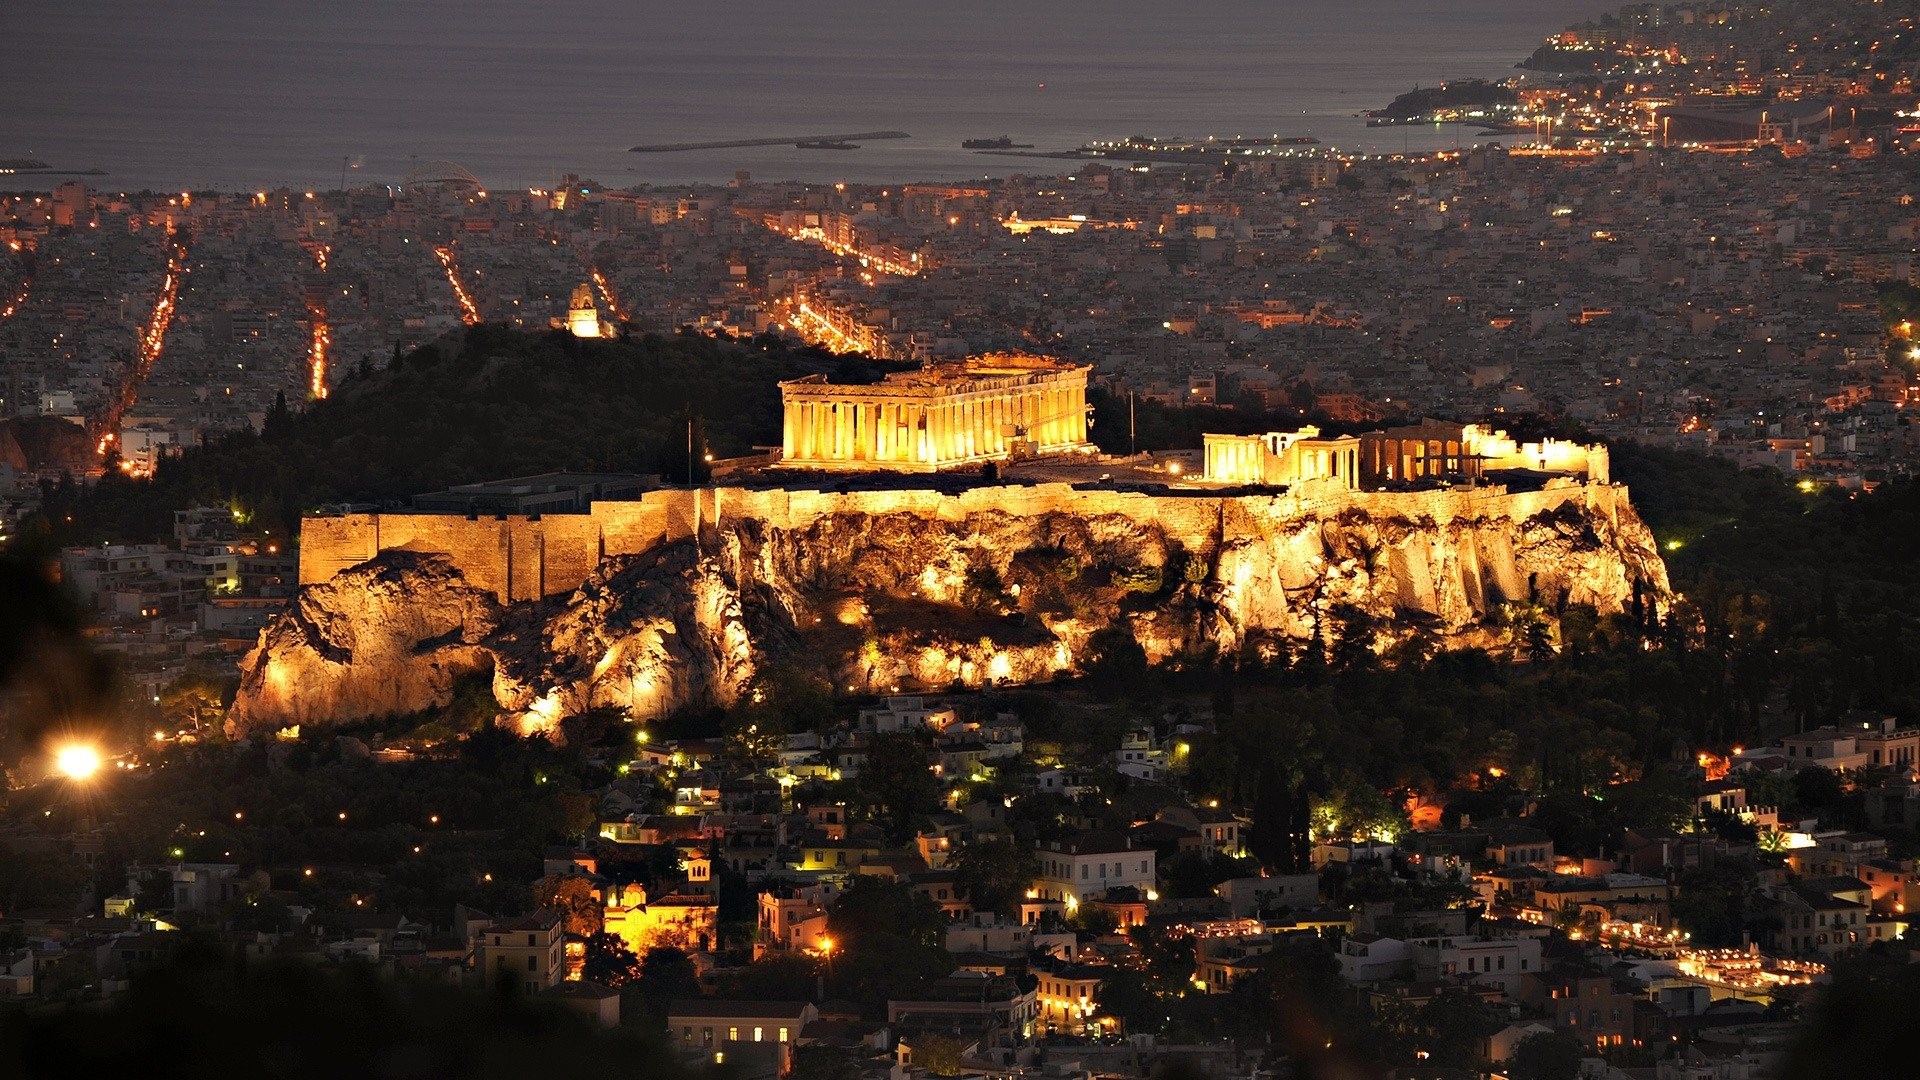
247,94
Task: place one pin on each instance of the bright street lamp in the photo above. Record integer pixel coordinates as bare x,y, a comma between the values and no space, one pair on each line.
77,761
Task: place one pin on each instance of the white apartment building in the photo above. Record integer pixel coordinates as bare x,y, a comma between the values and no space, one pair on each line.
1088,865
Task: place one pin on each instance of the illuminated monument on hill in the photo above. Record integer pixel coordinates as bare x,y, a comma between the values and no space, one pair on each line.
985,408
583,315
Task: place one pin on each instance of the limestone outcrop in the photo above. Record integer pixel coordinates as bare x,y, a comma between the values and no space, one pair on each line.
887,590
391,636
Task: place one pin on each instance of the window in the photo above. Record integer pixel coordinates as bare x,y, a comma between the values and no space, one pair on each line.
530,942
758,1034
533,963
733,1034
783,1034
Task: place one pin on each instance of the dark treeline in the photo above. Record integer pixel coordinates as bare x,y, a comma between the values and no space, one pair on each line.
203,1015
484,405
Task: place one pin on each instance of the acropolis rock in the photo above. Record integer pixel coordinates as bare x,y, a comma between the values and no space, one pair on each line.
678,598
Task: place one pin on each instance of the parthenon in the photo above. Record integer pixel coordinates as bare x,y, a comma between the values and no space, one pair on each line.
983,408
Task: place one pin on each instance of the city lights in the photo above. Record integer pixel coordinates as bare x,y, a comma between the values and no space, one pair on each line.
321,339
152,340
606,293
469,311
19,298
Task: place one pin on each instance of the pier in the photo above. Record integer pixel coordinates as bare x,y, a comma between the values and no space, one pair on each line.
784,140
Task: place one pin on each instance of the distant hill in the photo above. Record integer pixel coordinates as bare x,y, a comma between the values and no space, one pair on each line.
37,443
481,404
1460,94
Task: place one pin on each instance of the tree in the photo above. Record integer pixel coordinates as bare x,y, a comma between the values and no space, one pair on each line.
666,973
994,874
609,961
572,896
1550,1055
274,427
193,699
304,1022
1452,1026
940,1055
1860,1024
1115,661
886,938
812,1062
755,735
1280,836
896,788
777,976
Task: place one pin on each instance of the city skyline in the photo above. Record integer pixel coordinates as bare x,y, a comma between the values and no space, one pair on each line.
909,542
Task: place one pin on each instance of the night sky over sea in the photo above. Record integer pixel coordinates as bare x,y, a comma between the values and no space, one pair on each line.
232,94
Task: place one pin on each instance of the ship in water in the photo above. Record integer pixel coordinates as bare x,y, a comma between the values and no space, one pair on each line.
1004,142
825,144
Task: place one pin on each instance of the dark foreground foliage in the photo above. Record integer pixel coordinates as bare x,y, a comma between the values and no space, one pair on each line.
202,1016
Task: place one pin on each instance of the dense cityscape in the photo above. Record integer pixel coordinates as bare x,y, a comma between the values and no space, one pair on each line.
1185,606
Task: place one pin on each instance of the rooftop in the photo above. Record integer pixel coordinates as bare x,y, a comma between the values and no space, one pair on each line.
943,377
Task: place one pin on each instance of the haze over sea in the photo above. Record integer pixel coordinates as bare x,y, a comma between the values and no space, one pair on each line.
244,94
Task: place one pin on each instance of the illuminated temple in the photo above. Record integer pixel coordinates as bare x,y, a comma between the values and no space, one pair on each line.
1428,450
985,408
1282,457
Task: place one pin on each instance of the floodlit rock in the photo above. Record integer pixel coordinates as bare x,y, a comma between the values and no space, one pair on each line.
390,636
885,591
647,634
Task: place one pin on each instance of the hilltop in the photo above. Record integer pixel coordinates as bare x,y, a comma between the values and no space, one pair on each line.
480,404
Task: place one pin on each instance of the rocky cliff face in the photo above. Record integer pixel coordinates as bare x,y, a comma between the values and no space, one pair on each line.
894,599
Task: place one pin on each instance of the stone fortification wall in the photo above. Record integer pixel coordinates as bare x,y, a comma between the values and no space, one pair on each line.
519,557
676,599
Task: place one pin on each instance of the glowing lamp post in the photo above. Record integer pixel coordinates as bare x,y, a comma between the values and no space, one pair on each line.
826,951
